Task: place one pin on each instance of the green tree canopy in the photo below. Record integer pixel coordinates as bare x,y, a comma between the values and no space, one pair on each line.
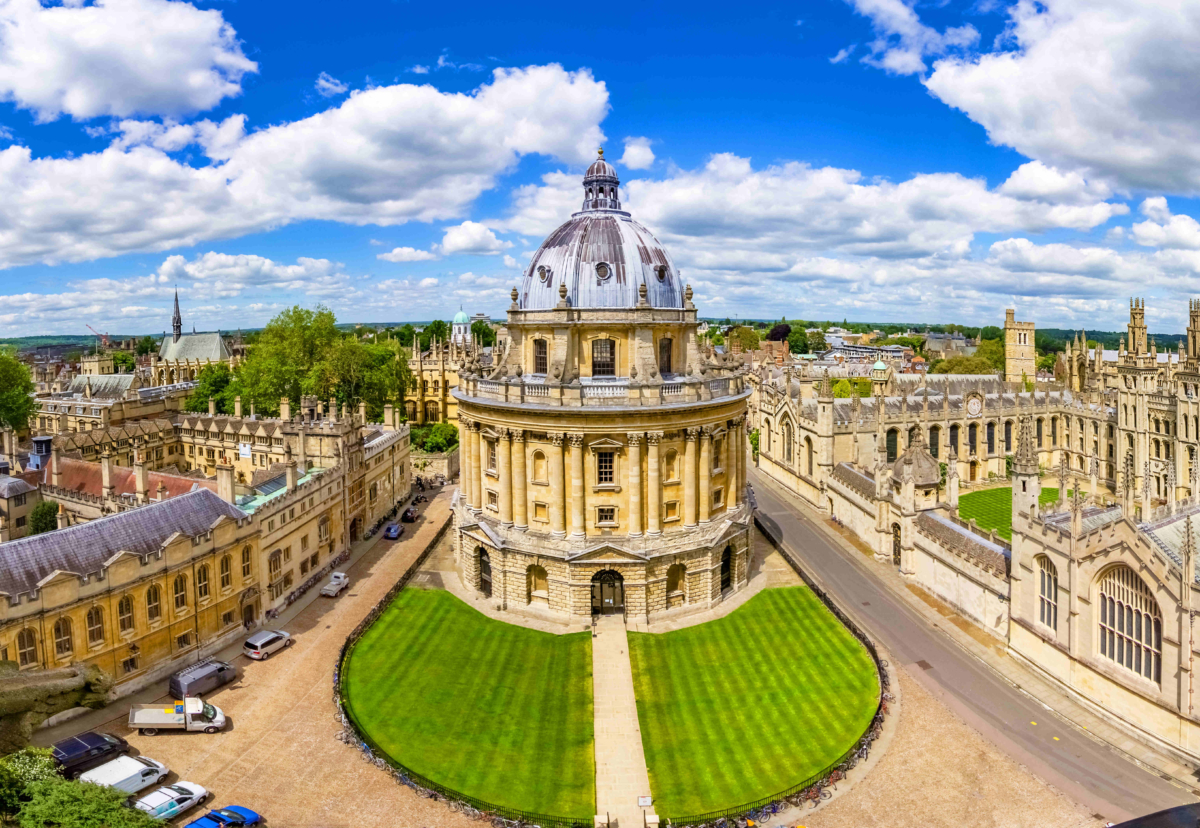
43,517
483,332
146,345
63,804
963,365
991,332
281,362
992,350
816,342
747,336
123,360
779,333
842,389
797,341
437,329
216,381
17,404
435,438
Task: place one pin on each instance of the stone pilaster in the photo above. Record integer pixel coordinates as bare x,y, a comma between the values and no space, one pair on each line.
464,472
653,484
558,487
635,485
577,504
705,476
690,437
504,470
519,495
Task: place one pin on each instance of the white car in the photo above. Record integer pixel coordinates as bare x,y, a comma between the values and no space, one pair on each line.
264,642
171,800
337,582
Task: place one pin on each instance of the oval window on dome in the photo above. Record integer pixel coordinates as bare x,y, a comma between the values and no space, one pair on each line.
543,273
603,271
661,272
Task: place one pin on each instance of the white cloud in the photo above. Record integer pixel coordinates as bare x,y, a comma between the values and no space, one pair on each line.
418,69
1037,181
1099,86
428,282
511,263
6,134
902,41
225,275
444,62
386,156
117,58
1164,230
406,254
638,155
328,86
472,238
843,53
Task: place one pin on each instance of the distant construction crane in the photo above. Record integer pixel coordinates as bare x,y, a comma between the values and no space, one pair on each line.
103,336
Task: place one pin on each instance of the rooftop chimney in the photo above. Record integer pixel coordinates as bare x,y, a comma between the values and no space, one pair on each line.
237,406
362,413
389,417
285,408
302,445
62,517
291,477
212,407
106,474
225,483
141,479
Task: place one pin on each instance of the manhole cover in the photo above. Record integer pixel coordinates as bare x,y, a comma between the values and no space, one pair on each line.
924,665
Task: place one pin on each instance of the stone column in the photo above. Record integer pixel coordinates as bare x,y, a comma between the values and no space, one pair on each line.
577,507
464,460
705,476
729,463
484,462
739,459
653,485
635,484
519,496
504,469
689,476
558,523
476,470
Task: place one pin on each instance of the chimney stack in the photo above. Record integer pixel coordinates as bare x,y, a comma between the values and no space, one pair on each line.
285,408
106,474
62,517
333,408
55,467
362,413
389,417
237,406
212,407
141,478
225,482
302,445
162,491
291,477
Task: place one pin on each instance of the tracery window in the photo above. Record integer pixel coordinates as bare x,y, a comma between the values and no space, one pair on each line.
1047,592
787,442
1130,623
892,438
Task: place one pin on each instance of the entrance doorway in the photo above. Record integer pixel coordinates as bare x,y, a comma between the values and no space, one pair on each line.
608,593
248,615
485,572
896,544
354,531
726,569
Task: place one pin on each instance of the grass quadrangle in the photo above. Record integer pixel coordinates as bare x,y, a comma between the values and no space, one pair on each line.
992,508
495,711
747,705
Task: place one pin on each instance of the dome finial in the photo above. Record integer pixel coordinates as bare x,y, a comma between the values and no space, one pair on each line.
600,152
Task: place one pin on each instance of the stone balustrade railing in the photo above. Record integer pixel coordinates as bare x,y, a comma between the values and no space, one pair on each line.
622,392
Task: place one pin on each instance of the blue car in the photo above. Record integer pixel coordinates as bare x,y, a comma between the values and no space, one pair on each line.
222,817
393,531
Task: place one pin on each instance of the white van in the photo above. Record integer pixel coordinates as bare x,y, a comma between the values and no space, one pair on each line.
127,773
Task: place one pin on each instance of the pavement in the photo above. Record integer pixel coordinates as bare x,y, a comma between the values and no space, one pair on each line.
621,773
1093,762
278,755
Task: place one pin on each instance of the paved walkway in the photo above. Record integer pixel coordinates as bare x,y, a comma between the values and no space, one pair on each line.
621,775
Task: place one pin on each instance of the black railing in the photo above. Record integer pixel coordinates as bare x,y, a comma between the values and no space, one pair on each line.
808,790
421,784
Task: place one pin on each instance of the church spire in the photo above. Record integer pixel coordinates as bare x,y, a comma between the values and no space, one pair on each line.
177,319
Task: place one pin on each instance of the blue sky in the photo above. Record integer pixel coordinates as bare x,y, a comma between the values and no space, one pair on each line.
868,159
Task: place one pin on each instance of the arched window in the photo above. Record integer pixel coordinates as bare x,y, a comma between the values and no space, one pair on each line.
1008,436
892,438
808,447
664,355
1130,623
676,575
954,438
972,437
1039,432
202,582
95,626
153,603
787,442
226,572
26,648
1047,592
179,590
64,643
935,437
1054,431
125,614
604,358
539,467
541,356
991,438
246,562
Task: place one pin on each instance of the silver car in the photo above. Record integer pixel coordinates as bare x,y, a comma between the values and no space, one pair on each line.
263,643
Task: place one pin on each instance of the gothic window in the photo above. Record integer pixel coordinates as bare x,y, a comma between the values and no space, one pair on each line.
991,438
1054,431
1130,623
1039,432
125,614
226,572
202,581
26,648
179,589
935,435
95,626
153,603
787,442
954,438
892,438
540,356
604,358
972,437
1008,436
64,643
246,562
664,356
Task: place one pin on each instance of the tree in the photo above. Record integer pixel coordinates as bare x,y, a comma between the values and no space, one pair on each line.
281,362
816,342
437,329
405,334
991,350
43,517
435,438
963,365
123,360
483,332
716,339
65,804
214,381
779,333
842,389
17,404
748,337
798,341
146,345
991,332
754,443
31,764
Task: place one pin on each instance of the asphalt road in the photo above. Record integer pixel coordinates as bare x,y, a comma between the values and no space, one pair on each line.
1056,751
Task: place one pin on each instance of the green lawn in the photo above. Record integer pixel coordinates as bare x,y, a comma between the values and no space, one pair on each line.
749,704
992,508
500,712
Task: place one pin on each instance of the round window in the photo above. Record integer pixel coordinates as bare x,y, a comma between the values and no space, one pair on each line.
543,273
661,270
603,271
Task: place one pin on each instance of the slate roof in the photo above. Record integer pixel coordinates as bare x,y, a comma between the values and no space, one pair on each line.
13,486
196,346
84,548
104,386
855,479
954,538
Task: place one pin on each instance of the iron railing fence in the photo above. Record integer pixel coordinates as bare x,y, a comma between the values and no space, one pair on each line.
500,816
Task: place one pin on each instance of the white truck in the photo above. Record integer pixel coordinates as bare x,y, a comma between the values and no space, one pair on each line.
189,714
337,582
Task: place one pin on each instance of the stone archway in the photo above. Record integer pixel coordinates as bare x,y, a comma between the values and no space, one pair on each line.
608,593
485,572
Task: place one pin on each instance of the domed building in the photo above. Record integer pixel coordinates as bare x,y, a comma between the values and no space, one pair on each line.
460,328
603,455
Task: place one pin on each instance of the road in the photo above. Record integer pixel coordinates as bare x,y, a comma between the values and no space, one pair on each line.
1078,765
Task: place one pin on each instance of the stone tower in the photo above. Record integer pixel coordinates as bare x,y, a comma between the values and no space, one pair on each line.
1026,487
1020,358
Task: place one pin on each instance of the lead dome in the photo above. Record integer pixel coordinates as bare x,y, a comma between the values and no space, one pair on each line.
602,255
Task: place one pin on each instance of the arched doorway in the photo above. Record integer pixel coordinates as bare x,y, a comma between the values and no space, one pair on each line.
354,530
726,568
485,572
608,593
896,544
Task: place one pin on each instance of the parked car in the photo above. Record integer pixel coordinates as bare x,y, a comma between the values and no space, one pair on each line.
410,514
393,531
127,773
263,643
171,800
201,678
337,582
232,815
187,714
77,754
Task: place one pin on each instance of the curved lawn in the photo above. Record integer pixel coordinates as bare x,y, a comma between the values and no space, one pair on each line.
496,711
747,705
992,508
